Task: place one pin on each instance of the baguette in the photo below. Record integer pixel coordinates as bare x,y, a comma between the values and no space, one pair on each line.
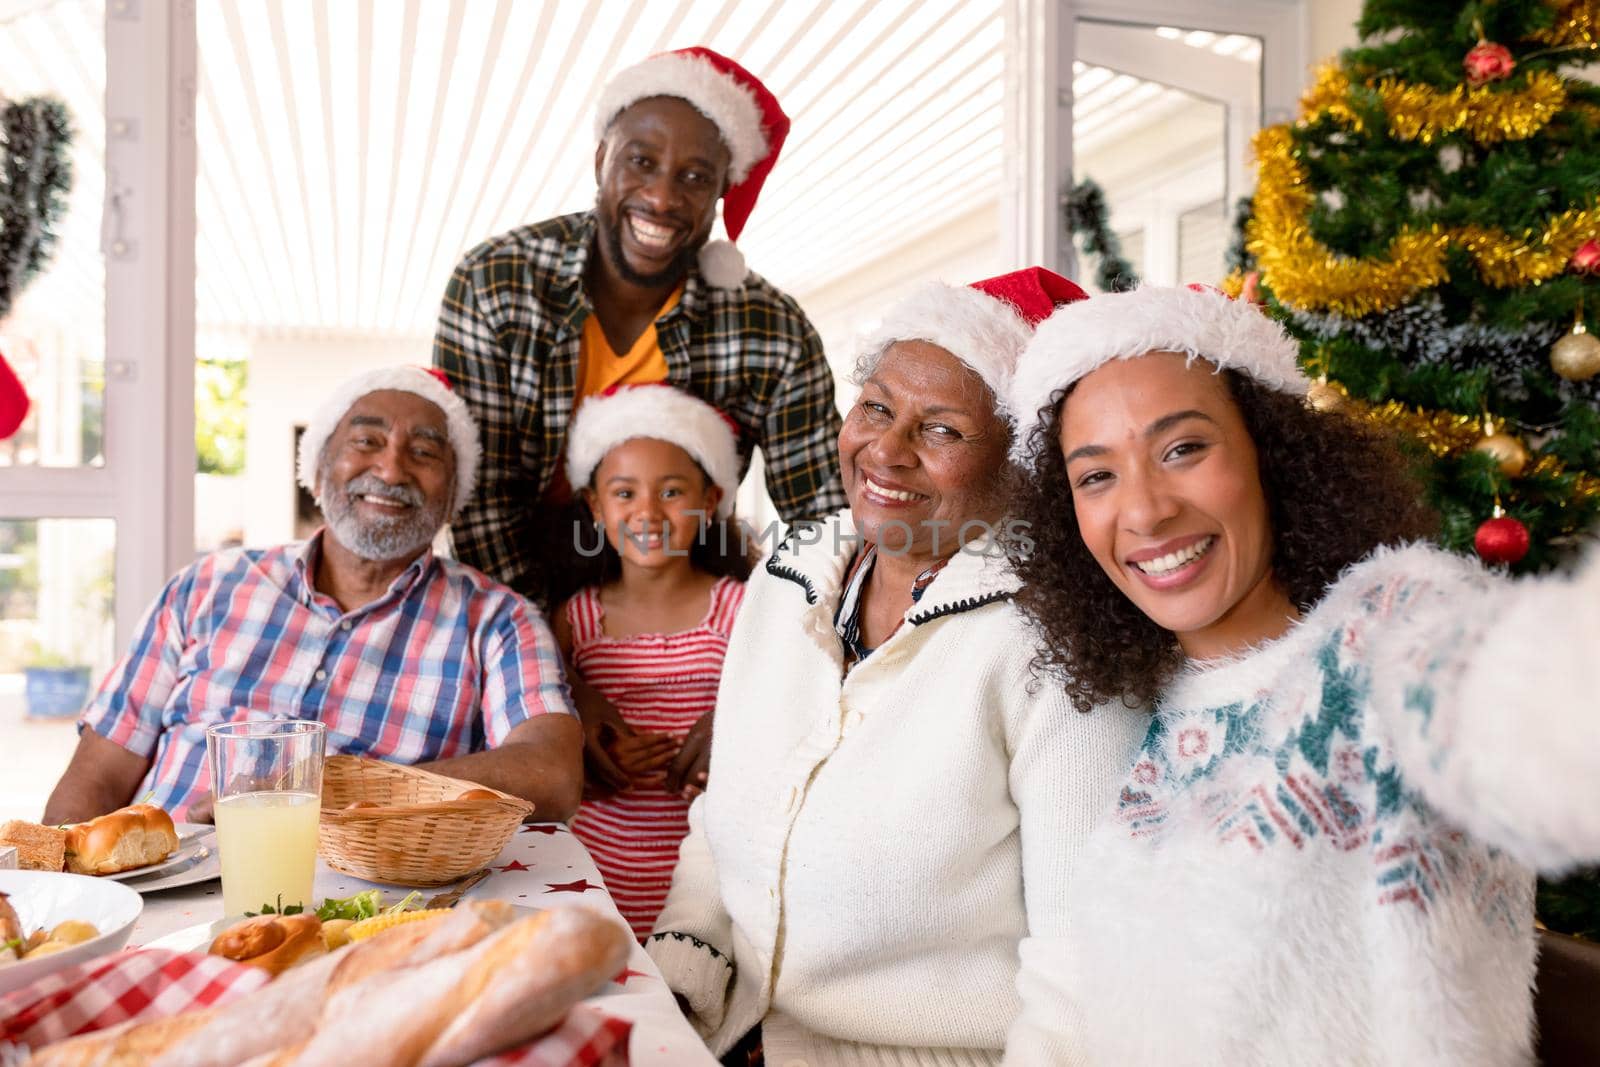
130,837
39,848
284,1012
525,986
273,1018
470,1004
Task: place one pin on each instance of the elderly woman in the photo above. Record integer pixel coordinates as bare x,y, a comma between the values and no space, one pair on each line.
1356,741
894,811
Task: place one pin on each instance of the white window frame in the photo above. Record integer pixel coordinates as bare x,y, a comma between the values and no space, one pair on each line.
1041,37
146,485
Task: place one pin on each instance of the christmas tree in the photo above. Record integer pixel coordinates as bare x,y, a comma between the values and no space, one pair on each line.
1429,229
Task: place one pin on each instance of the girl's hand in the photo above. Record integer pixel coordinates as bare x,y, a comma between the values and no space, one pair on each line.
601,775
642,756
688,773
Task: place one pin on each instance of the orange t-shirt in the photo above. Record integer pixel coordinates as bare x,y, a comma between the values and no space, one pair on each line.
599,368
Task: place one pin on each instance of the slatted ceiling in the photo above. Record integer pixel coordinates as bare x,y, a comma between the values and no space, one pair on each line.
351,150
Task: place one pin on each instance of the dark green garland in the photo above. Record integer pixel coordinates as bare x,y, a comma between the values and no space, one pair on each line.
35,175
1084,212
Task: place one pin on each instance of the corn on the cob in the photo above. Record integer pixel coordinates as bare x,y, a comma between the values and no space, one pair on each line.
378,923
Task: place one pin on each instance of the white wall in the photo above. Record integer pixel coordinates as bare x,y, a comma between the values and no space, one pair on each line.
1331,26
967,249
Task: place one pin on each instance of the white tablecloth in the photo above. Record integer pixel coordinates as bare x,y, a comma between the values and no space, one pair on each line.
542,866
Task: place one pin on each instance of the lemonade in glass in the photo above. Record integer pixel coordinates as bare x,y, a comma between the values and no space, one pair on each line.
267,778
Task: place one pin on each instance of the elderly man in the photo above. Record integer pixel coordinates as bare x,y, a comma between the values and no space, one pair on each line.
405,656
539,318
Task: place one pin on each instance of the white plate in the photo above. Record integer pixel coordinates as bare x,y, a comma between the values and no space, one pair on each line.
195,841
198,938
202,867
45,898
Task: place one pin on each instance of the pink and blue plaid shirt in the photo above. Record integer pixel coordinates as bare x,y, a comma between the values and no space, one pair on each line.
445,663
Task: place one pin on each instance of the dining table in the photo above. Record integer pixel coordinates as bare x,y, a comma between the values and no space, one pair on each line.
542,866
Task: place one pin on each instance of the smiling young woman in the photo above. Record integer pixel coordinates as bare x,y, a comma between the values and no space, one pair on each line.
1358,745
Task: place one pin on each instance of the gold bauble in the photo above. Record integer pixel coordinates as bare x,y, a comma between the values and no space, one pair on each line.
1576,357
1508,452
1325,397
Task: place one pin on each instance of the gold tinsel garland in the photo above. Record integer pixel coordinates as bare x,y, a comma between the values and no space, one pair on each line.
1576,25
1423,113
1305,273
1445,433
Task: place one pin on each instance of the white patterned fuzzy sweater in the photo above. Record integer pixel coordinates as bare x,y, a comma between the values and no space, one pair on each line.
1314,860
874,847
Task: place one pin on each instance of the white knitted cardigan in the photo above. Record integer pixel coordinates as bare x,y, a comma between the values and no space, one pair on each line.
1314,860
874,847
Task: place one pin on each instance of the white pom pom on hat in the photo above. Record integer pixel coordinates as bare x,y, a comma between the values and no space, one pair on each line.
426,382
1201,322
749,118
662,413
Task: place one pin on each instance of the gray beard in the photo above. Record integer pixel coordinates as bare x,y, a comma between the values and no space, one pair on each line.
380,539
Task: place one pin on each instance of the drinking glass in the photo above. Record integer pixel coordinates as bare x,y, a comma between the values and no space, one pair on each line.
267,781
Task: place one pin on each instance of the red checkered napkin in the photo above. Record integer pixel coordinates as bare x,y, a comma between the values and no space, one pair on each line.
154,983
145,984
586,1038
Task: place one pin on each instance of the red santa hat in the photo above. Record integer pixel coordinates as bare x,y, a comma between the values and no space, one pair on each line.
662,413
1199,321
13,401
430,383
985,324
752,124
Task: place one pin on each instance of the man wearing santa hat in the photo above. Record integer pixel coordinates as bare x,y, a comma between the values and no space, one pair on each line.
404,655
539,318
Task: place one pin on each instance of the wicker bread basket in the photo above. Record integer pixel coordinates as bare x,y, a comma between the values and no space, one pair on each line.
419,834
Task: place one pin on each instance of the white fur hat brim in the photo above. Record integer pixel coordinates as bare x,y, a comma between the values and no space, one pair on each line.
730,106
661,413
985,333
462,429
1201,323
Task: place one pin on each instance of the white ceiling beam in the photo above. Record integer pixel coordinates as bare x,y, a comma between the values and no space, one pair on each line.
1138,51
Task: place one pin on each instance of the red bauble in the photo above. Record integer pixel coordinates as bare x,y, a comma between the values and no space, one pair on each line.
1502,540
1488,62
1586,260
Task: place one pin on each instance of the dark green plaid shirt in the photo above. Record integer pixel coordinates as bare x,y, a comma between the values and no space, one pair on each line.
509,336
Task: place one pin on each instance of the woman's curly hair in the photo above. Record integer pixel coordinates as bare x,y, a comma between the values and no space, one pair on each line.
1335,488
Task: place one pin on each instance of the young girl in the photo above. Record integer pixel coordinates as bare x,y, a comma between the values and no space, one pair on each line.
644,643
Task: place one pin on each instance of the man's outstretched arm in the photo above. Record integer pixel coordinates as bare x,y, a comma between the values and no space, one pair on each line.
101,777
541,760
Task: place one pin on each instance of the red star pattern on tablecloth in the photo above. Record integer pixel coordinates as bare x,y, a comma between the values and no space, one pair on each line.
582,885
627,973
540,828
514,865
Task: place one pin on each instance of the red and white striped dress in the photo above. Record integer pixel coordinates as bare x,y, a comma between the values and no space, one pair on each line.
662,683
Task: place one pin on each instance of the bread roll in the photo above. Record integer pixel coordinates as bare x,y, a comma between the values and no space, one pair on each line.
39,848
130,837
272,942
479,794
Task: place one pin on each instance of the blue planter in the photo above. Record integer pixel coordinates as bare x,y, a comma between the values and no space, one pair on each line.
55,692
